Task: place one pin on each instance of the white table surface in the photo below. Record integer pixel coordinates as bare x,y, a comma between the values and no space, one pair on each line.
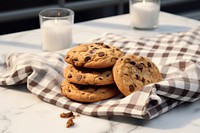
22,112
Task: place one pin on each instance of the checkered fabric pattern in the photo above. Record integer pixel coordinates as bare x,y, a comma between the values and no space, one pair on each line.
177,56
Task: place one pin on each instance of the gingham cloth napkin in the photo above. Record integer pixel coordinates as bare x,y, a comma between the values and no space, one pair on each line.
177,56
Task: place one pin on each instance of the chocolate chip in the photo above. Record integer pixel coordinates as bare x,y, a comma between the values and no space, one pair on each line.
100,78
114,59
131,88
117,49
101,54
106,46
143,80
70,75
149,64
87,58
91,51
140,66
127,60
108,75
137,77
99,43
67,57
132,63
79,77
74,51
75,59
95,48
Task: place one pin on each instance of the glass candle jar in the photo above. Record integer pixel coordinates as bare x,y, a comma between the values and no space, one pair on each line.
144,14
56,28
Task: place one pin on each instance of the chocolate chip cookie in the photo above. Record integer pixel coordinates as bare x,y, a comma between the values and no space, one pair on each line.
86,76
131,73
95,55
84,93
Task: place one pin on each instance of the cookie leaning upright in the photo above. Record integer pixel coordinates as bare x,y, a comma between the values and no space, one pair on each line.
132,72
95,55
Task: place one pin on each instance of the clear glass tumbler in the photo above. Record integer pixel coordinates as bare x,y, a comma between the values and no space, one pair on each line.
56,28
144,14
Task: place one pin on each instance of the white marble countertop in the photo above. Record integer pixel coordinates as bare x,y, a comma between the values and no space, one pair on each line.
22,112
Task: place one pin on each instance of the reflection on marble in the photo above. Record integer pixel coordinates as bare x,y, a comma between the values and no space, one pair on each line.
23,112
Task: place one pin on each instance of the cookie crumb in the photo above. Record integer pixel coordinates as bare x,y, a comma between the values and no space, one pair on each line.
70,122
67,115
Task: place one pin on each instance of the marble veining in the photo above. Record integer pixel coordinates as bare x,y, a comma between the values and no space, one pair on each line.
197,110
117,126
198,125
5,123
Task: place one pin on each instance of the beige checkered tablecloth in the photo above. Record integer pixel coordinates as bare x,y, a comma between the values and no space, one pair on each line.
177,56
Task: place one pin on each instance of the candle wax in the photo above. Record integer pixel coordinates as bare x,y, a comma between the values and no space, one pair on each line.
56,34
144,15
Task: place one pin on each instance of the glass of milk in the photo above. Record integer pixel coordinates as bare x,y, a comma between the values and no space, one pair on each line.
144,14
56,28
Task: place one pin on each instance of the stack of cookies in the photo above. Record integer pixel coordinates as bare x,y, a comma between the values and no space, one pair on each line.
98,71
88,77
